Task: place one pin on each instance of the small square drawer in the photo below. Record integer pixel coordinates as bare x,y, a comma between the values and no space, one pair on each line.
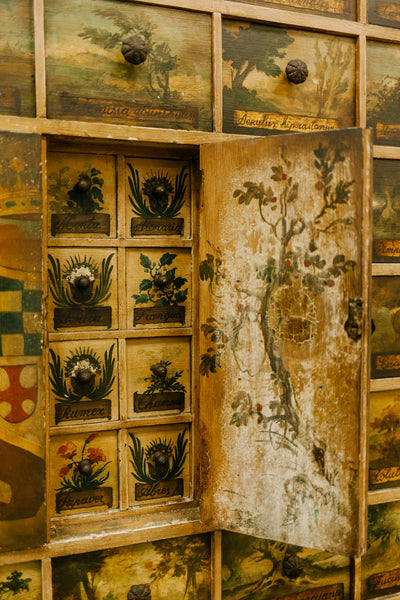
81,191
82,289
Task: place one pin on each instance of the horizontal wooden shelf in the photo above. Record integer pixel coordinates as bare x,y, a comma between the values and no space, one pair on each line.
160,242
381,385
382,496
130,423
119,333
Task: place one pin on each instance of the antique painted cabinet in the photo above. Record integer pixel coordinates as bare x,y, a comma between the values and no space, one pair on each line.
188,239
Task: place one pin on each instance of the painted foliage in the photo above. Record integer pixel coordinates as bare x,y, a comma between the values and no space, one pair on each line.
89,78
383,84
384,440
384,12
22,513
158,375
339,8
386,211
280,321
175,569
17,69
258,96
380,565
23,580
385,339
261,569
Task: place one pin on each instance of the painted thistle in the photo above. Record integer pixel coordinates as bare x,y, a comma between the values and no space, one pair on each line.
83,471
88,377
160,460
159,380
162,288
163,198
86,284
83,197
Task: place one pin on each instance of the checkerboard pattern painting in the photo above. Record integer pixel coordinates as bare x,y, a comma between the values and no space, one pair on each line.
20,317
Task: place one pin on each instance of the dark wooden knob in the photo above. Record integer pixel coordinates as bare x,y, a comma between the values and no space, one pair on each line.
85,467
83,185
296,71
159,191
292,566
139,592
159,370
161,281
160,459
84,375
82,283
134,50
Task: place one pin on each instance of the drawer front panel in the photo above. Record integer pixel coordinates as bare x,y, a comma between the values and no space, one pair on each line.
258,95
88,77
383,103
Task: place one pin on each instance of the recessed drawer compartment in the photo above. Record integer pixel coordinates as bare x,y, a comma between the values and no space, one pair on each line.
279,79
89,78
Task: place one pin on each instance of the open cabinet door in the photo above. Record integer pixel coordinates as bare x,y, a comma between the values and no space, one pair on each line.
283,309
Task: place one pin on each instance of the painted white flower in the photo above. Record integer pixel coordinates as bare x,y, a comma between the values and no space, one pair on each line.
81,365
81,271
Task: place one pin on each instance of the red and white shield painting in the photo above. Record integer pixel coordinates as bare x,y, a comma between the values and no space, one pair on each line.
18,392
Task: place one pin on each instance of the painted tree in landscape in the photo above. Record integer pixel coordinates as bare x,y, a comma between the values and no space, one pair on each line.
76,576
160,61
185,556
283,303
13,584
249,49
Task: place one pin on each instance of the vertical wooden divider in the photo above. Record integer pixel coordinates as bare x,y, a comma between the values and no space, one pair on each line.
217,70
40,64
47,588
216,565
123,469
361,81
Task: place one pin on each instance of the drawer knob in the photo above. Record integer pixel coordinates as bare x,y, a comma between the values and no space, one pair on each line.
159,370
161,281
134,50
296,71
85,468
84,376
82,283
139,592
83,185
292,566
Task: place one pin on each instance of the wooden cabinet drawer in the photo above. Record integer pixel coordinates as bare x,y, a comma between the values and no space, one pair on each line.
380,565
89,79
258,97
160,569
344,9
74,307
263,569
24,579
384,440
83,382
159,464
385,339
383,103
158,376
81,194
83,472
17,70
384,12
158,288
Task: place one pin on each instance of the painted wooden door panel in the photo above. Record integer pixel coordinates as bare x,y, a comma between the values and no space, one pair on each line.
386,211
281,373
88,77
258,96
22,426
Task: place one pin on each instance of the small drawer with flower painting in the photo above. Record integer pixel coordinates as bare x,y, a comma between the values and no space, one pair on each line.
84,473
83,381
82,289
